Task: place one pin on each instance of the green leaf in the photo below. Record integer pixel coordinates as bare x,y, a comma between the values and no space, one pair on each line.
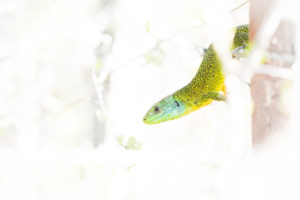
147,26
155,57
98,65
130,142
137,146
120,139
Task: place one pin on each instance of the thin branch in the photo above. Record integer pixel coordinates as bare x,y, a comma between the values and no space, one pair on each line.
99,91
105,74
233,10
261,42
274,71
161,42
157,46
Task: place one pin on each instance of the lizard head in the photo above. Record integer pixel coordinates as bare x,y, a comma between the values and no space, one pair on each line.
167,109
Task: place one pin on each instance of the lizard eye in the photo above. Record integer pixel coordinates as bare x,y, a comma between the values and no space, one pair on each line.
156,109
176,103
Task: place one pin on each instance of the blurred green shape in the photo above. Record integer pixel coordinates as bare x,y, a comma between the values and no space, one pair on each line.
131,143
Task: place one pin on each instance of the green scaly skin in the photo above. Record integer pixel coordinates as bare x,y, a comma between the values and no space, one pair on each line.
240,46
240,36
205,87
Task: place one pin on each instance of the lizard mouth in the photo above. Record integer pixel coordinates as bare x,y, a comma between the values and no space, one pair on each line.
151,118
167,109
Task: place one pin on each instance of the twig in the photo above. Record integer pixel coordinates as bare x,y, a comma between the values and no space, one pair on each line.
274,71
261,42
233,10
160,42
105,75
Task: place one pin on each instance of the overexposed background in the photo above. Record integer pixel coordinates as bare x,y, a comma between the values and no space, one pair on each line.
77,77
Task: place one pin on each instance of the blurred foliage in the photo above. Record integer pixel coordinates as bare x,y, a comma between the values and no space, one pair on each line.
147,27
98,65
130,196
130,144
100,115
155,57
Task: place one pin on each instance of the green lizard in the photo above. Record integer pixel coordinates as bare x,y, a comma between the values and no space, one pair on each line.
205,87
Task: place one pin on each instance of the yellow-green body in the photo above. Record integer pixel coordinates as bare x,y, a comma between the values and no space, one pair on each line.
241,36
206,86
